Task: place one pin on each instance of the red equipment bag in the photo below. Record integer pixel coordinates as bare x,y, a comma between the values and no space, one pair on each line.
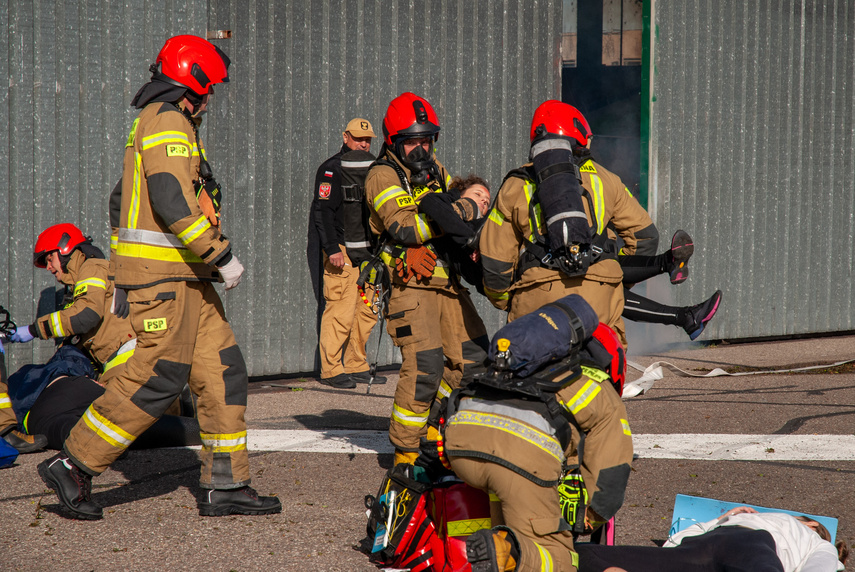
457,510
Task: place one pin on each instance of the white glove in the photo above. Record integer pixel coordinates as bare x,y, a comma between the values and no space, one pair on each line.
231,272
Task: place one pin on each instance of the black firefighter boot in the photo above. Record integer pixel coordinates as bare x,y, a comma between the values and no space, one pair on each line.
222,502
72,486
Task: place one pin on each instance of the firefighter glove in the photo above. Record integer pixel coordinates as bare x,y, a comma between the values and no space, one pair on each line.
121,307
22,335
418,261
231,272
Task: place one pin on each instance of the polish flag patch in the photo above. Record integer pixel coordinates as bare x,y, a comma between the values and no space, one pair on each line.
328,173
324,190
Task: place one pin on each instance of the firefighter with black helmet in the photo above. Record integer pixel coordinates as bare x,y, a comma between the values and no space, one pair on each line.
338,225
168,256
553,383
431,317
549,233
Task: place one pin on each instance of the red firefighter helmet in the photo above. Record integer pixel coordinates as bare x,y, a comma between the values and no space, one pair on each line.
191,62
408,116
605,351
63,237
556,118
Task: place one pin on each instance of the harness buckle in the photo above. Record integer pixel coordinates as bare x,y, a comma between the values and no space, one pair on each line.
547,259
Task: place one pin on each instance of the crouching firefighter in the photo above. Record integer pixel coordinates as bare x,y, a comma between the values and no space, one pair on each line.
547,391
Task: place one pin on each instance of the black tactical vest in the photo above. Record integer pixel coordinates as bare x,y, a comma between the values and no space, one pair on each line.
357,236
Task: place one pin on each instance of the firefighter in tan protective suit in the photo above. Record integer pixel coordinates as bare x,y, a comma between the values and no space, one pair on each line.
168,255
570,248
514,429
71,257
430,315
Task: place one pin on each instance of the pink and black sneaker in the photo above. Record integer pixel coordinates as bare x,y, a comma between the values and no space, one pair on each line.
682,248
697,316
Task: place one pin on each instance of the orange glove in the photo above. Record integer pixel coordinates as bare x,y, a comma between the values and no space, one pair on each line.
418,261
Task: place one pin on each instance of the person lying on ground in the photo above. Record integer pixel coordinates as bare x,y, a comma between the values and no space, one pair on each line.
740,539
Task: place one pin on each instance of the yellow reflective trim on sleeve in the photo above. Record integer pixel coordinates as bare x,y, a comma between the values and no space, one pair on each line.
5,402
625,424
423,228
467,527
165,254
106,429
597,375
583,397
599,202
163,138
134,213
409,418
82,286
56,325
195,230
496,216
546,564
387,194
133,134
496,295
114,240
224,442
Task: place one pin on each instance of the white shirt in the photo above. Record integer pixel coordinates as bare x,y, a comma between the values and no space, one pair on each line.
799,548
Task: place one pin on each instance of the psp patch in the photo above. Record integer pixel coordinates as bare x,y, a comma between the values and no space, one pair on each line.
324,190
154,325
177,151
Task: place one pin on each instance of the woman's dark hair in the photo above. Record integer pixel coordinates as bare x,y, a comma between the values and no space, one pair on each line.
841,545
460,184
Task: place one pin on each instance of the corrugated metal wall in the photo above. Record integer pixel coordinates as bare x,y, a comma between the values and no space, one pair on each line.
751,150
301,70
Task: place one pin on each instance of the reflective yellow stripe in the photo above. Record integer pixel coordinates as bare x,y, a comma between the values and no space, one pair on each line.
56,325
409,418
97,282
528,434
583,397
388,194
444,389
497,217
224,442
574,559
5,402
546,564
529,188
118,360
165,254
165,137
422,227
114,240
26,420
467,527
134,213
597,375
625,424
133,134
106,429
193,231
496,295
599,202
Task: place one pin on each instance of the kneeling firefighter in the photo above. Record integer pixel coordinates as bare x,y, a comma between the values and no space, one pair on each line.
513,431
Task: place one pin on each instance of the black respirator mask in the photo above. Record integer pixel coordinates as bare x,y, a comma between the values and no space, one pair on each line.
422,167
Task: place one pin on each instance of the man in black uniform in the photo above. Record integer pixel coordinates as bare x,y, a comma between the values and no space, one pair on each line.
338,225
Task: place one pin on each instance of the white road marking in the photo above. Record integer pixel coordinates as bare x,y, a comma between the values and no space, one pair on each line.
709,447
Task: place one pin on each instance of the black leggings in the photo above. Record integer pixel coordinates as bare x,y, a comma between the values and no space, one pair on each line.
724,549
61,405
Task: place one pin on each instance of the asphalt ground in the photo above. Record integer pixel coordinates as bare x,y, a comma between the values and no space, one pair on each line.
151,522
